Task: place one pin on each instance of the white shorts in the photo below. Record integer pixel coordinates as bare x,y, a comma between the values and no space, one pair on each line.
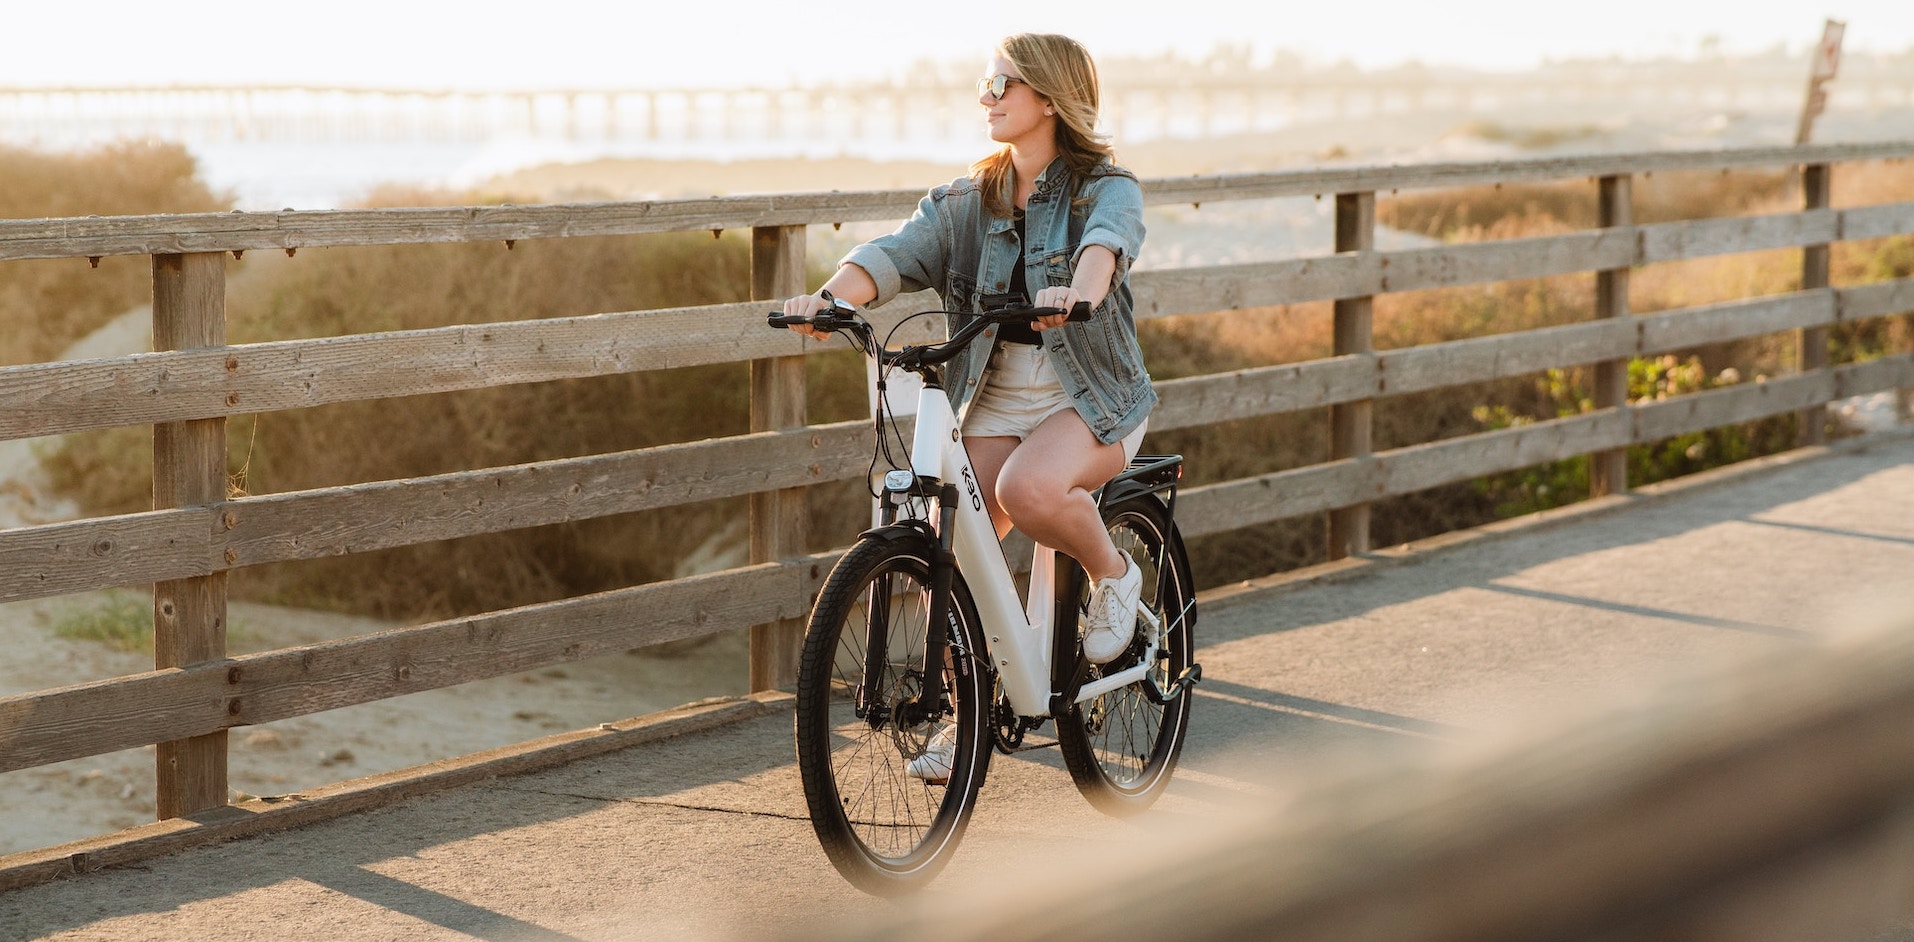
1020,391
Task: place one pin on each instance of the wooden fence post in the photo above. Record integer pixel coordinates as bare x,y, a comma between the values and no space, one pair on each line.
1811,423
1350,423
1608,470
780,523
189,468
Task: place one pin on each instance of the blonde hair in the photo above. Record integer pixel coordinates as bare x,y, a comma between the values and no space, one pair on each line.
1061,72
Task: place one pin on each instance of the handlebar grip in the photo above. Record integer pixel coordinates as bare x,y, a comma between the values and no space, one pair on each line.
780,319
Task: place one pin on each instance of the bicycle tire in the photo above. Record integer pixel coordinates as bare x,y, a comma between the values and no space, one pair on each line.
883,830
1121,747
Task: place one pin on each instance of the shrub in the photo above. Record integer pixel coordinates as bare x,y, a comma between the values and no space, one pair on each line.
48,304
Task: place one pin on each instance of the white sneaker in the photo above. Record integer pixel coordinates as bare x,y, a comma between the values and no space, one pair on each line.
940,756
1110,618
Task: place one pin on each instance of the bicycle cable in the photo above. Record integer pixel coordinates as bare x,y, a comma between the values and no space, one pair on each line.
885,414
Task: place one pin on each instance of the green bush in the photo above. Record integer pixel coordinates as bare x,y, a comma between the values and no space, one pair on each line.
1563,482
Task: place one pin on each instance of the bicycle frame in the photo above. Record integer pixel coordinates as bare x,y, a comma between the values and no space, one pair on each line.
1021,640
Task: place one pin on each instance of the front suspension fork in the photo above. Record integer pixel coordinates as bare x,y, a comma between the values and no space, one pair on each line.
929,702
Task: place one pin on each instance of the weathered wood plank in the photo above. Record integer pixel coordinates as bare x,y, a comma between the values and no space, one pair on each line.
1729,405
1698,238
1165,292
1420,467
226,232
131,549
107,716
1608,469
1874,222
189,469
1507,259
1229,505
1224,397
45,399
58,398
1876,300
1685,328
1480,359
1351,423
1811,348
1232,505
56,559
1318,182
1881,375
780,519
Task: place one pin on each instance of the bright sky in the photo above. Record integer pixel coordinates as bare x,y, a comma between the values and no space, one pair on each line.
648,43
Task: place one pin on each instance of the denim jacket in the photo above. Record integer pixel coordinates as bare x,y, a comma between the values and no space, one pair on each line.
954,246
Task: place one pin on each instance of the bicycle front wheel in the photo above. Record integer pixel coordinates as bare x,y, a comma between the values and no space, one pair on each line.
1121,746
862,669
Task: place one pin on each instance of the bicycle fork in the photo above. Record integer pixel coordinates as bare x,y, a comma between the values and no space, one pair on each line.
928,702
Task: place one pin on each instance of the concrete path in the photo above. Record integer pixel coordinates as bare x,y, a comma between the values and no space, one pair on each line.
705,836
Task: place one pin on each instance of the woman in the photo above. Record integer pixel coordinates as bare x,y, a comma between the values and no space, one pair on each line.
1048,414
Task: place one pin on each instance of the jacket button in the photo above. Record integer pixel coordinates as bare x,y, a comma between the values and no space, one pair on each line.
970,382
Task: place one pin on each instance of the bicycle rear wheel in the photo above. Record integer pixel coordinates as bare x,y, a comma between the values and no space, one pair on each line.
883,829
1122,746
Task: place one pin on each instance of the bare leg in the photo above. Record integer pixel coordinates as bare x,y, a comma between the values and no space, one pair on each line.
987,457
1045,484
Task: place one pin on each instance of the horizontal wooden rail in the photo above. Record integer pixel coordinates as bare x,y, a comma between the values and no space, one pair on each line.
58,398
240,232
131,549
1230,505
1526,170
127,712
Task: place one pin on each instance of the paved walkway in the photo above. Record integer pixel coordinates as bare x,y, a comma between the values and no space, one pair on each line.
705,836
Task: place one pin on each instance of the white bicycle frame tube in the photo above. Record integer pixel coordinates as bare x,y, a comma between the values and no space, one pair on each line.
1020,640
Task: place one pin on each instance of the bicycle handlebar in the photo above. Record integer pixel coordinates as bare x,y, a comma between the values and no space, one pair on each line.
830,319
844,318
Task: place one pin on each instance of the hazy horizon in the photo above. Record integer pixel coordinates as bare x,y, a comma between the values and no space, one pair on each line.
489,45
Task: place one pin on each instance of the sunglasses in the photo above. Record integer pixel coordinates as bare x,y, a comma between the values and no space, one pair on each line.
996,85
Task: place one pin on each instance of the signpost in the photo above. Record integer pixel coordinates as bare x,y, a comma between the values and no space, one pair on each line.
1827,61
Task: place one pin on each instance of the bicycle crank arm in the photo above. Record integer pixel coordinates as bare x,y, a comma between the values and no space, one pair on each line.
1123,678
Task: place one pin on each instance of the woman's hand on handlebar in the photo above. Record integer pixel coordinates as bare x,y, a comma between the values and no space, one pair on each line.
1058,296
807,305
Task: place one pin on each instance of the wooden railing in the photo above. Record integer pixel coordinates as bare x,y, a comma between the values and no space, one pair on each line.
193,382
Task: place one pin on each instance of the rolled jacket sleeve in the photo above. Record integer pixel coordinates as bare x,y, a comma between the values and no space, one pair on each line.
912,258
1116,218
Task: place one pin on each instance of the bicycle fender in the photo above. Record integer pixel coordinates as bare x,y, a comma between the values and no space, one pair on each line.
901,529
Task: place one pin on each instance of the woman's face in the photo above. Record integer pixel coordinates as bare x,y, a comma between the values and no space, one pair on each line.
1018,116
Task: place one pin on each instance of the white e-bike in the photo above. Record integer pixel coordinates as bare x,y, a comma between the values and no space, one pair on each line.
919,627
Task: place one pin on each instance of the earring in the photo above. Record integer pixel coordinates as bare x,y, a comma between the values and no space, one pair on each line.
1047,112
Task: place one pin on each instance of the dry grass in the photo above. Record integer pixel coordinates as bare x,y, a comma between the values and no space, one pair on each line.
46,305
